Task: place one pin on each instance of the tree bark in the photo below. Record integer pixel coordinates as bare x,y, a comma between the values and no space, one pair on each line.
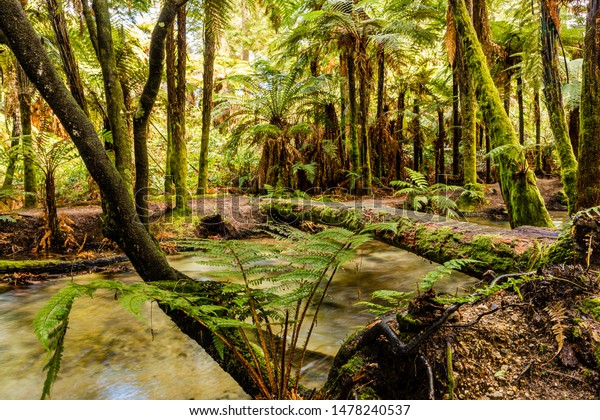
67,56
417,136
141,117
521,110
588,187
29,171
364,83
354,148
179,165
207,92
12,153
400,133
379,116
456,123
115,100
549,33
440,155
523,200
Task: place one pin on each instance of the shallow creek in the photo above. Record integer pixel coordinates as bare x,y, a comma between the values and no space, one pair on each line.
112,355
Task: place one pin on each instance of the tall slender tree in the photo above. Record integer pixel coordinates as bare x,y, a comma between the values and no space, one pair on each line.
550,25
588,187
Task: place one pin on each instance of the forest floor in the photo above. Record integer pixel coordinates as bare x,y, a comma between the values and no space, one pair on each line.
509,354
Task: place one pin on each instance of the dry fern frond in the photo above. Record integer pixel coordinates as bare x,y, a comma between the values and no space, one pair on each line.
556,311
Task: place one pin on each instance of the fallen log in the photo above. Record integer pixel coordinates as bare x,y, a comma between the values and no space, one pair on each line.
58,266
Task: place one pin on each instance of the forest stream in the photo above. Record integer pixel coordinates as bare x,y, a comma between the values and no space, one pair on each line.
111,355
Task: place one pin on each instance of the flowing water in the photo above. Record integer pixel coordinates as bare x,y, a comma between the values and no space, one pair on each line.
110,354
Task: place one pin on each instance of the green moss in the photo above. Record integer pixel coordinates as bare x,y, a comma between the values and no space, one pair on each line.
495,254
7,266
353,366
597,355
368,393
562,251
591,306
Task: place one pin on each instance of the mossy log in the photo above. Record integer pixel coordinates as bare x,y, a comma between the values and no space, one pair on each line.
438,239
57,266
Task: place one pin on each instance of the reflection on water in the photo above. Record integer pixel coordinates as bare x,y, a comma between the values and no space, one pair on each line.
112,355
558,217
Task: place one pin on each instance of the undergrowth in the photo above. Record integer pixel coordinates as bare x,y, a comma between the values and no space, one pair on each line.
264,321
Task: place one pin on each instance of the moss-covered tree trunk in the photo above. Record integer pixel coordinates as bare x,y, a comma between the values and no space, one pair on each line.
29,168
51,211
537,118
176,96
588,176
207,89
521,110
468,112
13,152
400,133
440,144
141,118
115,99
524,203
364,90
379,122
549,33
355,157
456,124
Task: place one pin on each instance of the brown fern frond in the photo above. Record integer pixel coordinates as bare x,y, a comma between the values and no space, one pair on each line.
557,313
450,36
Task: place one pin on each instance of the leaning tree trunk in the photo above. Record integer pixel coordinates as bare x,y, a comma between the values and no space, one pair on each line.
141,118
207,90
115,99
588,187
552,91
30,182
518,184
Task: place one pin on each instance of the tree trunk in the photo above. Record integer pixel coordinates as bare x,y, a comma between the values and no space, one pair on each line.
379,116
13,152
456,124
364,82
440,156
417,136
468,103
521,110
588,187
400,133
146,103
179,162
549,33
537,116
354,148
207,90
67,55
29,169
574,122
51,212
115,100
523,200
